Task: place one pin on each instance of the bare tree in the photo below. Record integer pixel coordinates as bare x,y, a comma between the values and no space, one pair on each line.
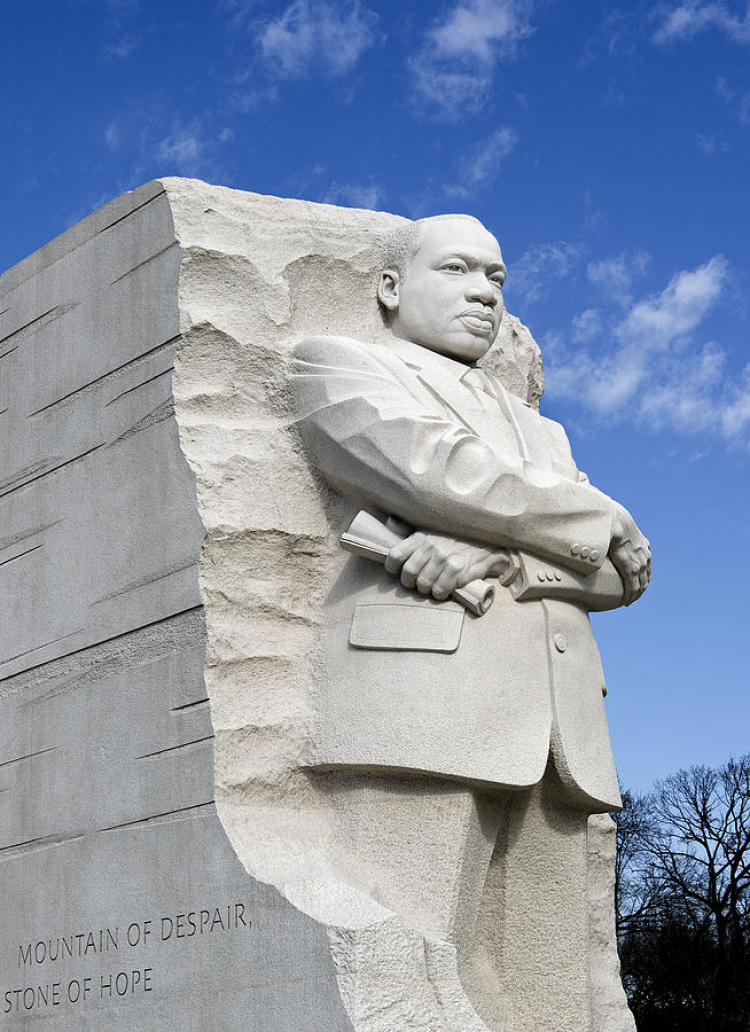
637,892
684,897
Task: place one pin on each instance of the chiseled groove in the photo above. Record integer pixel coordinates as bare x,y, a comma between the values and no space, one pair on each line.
54,469
98,645
25,535
35,467
30,323
145,261
174,815
29,756
132,212
110,372
21,554
189,705
164,372
143,581
174,748
8,351
41,842
165,410
37,648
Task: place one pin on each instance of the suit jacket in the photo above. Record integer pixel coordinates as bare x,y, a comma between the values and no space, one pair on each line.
408,683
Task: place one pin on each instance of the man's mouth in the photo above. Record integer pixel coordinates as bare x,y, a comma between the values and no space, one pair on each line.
479,320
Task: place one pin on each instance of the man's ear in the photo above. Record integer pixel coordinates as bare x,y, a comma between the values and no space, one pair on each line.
388,289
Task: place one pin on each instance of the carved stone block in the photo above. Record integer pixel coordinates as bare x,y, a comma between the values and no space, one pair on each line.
186,839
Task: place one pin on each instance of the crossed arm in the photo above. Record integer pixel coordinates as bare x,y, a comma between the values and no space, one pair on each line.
373,440
436,564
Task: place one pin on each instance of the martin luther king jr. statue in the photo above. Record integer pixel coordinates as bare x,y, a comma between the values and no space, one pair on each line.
465,751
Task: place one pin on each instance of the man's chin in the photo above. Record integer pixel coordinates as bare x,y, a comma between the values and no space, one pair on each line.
470,347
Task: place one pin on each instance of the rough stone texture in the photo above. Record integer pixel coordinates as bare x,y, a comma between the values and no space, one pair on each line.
516,360
608,1003
167,553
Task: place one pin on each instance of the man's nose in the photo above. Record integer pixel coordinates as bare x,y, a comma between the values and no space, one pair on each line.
480,289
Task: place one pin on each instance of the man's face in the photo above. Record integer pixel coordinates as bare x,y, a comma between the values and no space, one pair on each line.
450,300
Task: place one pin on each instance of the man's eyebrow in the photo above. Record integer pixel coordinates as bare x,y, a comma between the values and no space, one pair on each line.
471,259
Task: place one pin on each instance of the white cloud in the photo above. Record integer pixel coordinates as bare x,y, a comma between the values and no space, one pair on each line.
315,35
711,143
654,324
183,148
531,273
188,150
122,49
617,36
652,368
587,326
736,414
483,164
480,30
689,19
112,136
686,398
352,195
614,276
452,72
735,98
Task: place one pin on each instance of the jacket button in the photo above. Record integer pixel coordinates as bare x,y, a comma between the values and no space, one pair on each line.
541,575
550,575
575,549
585,552
561,642
594,555
558,575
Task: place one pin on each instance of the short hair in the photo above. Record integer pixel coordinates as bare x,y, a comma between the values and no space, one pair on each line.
400,246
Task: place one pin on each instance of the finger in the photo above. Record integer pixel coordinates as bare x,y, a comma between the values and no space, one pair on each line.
631,585
618,563
428,575
402,551
451,577
412,569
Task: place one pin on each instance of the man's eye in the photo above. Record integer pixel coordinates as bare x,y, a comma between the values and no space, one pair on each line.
454,267
497,280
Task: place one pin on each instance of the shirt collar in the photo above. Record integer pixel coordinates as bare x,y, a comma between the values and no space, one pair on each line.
420,357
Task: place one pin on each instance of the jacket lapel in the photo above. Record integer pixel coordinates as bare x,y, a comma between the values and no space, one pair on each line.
442,378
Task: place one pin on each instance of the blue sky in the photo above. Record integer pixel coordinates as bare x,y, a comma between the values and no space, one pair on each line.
608,147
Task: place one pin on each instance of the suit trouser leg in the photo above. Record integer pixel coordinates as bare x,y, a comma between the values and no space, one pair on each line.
500,875
419,846
529,966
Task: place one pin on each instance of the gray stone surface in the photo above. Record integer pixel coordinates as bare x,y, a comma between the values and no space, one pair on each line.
124,905
168,554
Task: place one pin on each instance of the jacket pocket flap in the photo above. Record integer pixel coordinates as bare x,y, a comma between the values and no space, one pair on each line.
406,627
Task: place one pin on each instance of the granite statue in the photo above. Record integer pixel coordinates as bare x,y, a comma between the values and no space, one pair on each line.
504,707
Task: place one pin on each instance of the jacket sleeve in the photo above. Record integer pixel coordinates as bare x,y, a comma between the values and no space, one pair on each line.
379,443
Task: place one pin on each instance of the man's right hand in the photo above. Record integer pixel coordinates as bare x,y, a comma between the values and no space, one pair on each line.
436,564
630,553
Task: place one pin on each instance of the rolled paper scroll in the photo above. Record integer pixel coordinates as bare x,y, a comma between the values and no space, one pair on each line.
371,539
